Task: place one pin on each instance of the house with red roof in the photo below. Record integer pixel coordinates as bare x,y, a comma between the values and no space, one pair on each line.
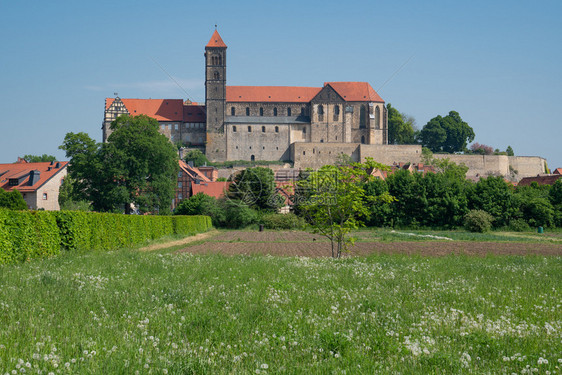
38,183
261,122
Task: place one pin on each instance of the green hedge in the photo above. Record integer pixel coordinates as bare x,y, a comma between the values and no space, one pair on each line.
34,234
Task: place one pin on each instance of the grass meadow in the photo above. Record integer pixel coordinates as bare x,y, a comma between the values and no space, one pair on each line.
132,312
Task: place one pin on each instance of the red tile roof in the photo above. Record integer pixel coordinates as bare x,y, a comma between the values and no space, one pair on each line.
215,189
216,41
278,94
557,171
192,171
355,91
16,170
194,113
548,179
160,109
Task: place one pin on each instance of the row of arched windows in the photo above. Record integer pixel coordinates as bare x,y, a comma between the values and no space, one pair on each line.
275,111
362,115
234,129
216,60
321,113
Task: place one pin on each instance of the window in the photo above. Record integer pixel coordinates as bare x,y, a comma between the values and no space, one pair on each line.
263,129
275,111
252,158
362,117
180,196
288,111
320,112
220,59
377,117
277,129
363,139
234,129
336,113
303,130
261,111
302,111
249,129
247,111
44,196
180,185
179,174
232,111
217,75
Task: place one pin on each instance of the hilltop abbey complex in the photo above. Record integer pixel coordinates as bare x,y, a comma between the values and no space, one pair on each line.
309,126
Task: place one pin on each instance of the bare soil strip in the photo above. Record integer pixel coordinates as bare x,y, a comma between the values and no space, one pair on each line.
183,241
289,243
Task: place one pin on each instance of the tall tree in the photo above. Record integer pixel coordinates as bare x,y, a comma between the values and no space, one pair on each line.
256,188
447,134
400,127
137,165
39,159
197,157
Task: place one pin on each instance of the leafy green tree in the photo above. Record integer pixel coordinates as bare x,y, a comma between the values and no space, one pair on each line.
496,197
335,205
555,193
197,157
400,127
237,214
202,204
446,134
12,200
39,159
256,187
136,166
69,199
509,151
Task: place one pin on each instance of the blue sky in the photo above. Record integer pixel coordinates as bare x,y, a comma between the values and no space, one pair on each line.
496,63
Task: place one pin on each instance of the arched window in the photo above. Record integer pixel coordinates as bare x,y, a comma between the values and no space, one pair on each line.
247,111
249,129
263,129
320,112
377,117
275,111
232,111
217,75
336,113
277,129
363,139
220,60
261,111
302,111
234,129
253,158
303,130
288,111
362,118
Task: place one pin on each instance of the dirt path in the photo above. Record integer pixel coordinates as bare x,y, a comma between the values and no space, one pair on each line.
183,241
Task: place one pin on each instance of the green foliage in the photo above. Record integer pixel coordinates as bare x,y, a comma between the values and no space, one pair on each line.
255,187
197,157
519,225
27,235
137,165
282,221
12,200
509,151
400,127
69,199
495,196
332,200
39,159
478,221
446,134
537,212
555,193
202,204
237,214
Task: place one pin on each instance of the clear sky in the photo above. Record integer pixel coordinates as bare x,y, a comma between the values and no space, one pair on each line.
497,63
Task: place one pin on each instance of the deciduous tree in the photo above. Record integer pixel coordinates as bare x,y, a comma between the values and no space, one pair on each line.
400,127
446,134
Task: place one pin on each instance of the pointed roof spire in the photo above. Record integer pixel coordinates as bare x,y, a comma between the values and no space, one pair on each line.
216,40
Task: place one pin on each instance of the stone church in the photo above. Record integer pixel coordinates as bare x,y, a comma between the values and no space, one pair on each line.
263,122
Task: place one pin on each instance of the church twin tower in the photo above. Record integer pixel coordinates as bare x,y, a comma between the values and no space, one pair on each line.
215,97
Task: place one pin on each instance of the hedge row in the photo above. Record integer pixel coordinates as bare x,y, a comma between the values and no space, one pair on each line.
33,234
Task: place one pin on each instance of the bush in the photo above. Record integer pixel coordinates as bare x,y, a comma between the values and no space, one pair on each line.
32,234
201,204
237,214
478,221
519,225
282,221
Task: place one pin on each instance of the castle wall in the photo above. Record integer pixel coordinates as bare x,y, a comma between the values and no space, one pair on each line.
527,166
258,144
480,165
390,154
316,155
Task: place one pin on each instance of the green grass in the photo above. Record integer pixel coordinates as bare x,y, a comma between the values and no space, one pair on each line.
160,312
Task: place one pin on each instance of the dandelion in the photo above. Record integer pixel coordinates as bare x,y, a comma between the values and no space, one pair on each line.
264,366
542,361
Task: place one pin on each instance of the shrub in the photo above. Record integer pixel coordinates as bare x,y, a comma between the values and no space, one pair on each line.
201,204
478,221
237,214
519,225
282,221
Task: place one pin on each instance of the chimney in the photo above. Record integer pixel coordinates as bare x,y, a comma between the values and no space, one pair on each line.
34,177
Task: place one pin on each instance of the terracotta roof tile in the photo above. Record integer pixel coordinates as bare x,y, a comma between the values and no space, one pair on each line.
277,94
216,41
192,171
17,170
540,179
194,113
356,91
160,109
557,171
215,189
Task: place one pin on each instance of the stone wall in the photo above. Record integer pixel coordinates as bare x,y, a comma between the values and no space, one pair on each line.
263,142
315,155
512,167
390,154
527,166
